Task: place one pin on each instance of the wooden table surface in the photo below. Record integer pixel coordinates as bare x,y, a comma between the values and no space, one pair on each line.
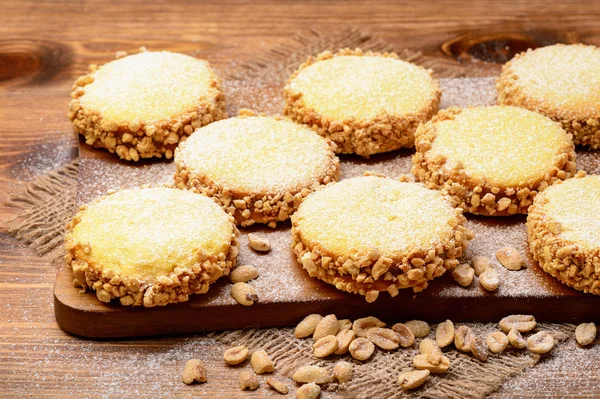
45,45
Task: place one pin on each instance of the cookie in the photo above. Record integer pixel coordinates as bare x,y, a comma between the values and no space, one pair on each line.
150,246
367,103
564,232
370,234
561,82
492,160
143,105
258,168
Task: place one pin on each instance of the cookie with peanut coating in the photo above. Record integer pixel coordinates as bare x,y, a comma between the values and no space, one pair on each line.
370,234
366,102
561,82
492,160
143,105
259,169
150,246
564,232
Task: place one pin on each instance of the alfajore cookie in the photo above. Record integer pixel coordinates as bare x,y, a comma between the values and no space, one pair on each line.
365,102
561,82
150,246
370,234
564,232
492,160
143,105
259,169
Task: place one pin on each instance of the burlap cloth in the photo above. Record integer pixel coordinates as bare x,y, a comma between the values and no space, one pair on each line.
45,205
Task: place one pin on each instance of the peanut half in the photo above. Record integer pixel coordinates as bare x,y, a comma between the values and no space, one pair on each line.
419,328
342,371
361,348
541,342
497,341
315,374
522,322
413,379
384,338
193,371
244,294
248,381
235,355
243,274
406,337
325,346
308,391
261,363
361,326
327,326
259,244
444,334
585,333
307,326
277,386
510,258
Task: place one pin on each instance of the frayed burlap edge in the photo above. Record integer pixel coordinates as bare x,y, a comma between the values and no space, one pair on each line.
377,377
277,64
43,208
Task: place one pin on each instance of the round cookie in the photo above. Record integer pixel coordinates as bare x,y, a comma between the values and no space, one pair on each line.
492,160
258,168
370,234
143,105
150,246
564,232
561,82
366,103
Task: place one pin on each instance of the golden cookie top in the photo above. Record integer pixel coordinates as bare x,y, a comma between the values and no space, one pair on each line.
149,87
257,155
575,204
369,213
354,87
565,78
146,233
501,145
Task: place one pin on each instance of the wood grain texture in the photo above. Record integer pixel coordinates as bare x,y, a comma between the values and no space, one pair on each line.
45,45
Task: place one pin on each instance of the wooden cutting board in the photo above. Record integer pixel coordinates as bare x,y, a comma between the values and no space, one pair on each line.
286,293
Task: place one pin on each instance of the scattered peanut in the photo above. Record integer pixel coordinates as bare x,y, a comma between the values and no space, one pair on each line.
541,342
431,350
479,349
345,324
327,326
308,391
516,339
244,294
419,328
413,379
384,338
585,333
406,337
463,339
361,348
315,374
307,326
277,386
259,244
522,322
235,355
510,258
362,326
463,274
489,279
497,341
420,362
193,371
261,363
481,264
248,380
325,346
342,371
243,274
444,334
344,338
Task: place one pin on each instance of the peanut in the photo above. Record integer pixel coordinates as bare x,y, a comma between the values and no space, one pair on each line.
342,371
307,326
406,337
277,386
413,379
315,374
193,371
489,279
308,391
345,324
497,341
463,274
463,339
361,348
259,244
419,328
510,258
481,264
523,323
244,294
248,380
516,339
362,326
344,338
431,350
243,274
420,362
327,326
444,334
585,333
541,342
479,349
325,346
384,338
235,355
261,363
